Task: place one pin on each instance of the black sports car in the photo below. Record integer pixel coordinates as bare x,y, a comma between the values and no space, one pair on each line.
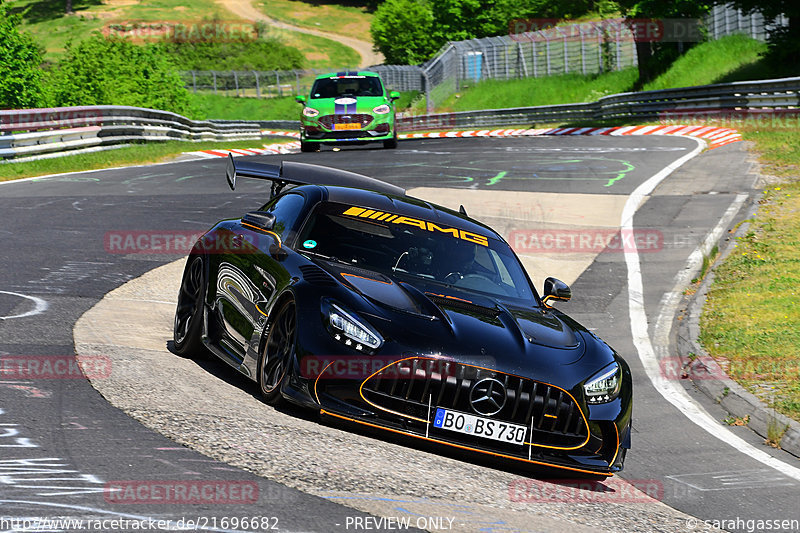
345,295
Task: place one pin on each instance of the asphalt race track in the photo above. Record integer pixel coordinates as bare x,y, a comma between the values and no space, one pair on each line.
62,444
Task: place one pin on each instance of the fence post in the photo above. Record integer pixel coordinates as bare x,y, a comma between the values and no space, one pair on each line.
194,82
278,82
236,81
214,73
583,52
547,52
258,86
426,87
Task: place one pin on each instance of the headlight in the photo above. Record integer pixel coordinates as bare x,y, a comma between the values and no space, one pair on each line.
604,386
381,109
310,112
352,332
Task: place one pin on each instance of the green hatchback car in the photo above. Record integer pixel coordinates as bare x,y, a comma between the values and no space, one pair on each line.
347,108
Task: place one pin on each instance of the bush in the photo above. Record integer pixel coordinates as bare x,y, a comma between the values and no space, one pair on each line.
243,54
114,71
20,59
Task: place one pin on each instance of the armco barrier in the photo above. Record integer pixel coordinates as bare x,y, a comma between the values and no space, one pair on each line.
32,132
49,131
780,94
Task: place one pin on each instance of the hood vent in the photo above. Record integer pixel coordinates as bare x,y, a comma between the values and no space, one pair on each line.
463,305
316,276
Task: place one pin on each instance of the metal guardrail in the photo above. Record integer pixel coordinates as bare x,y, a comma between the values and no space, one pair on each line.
669,104
34,132
61,130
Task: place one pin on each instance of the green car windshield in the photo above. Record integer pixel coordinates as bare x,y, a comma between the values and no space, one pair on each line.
347,86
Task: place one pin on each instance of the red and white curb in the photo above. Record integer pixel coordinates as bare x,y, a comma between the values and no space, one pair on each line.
270,149
713,136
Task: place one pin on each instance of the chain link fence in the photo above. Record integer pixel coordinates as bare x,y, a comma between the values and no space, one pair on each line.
725,20
585,48
276,83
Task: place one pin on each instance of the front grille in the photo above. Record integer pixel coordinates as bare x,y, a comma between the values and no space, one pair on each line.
405,387
356,118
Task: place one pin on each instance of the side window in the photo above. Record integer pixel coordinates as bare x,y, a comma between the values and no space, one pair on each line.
286,208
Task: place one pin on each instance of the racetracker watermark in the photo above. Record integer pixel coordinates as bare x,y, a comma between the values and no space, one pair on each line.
55,367
183,242
613,490
359,368
788,119
706,367
184,31
49,119
589,240
181,492
642,30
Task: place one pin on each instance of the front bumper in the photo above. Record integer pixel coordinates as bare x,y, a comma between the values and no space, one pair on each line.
324,129
563,433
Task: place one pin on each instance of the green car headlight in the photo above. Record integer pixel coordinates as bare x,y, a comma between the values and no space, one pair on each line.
310,112
381,109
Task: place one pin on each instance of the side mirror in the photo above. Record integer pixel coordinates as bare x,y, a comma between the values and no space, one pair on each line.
262,220
394,95
555,289
265,221
300,99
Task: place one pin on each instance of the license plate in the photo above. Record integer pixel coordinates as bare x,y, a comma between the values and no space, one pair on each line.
479,426
347,126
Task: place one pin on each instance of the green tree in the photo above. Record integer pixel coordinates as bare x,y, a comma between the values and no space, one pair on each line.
114,71
655,57
402,31
784,44
20,58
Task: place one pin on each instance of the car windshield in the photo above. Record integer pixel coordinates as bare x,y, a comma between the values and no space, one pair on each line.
423,252
336,87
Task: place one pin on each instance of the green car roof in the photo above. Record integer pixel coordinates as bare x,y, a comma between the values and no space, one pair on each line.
349,73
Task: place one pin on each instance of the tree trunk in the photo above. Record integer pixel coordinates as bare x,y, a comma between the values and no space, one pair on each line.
644,54
69,7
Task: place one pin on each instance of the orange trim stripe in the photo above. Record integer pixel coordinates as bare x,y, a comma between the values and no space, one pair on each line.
323,411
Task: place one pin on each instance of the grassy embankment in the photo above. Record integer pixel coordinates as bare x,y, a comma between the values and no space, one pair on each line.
731,58
751,320
350,18
46,21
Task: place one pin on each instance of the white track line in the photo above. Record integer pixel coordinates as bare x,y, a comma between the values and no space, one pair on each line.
671,392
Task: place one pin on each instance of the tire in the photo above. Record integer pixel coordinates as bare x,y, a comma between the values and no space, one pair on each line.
187,331
391,144
309,147
277,353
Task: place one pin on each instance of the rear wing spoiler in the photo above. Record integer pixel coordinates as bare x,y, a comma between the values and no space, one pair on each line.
291,172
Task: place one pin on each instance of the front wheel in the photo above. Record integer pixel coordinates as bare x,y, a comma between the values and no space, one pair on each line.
187,330
309,147
391,144
276,356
